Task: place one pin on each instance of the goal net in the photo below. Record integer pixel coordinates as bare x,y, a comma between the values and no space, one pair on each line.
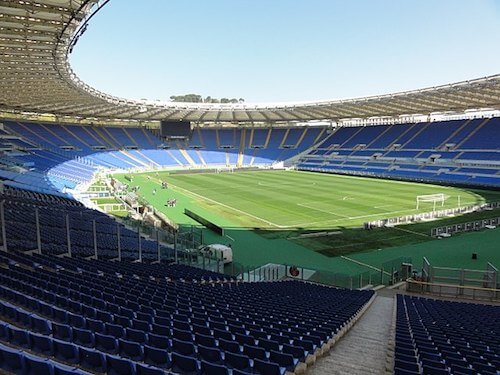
431,198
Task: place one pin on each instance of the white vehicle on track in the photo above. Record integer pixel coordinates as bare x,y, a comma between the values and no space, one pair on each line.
218,251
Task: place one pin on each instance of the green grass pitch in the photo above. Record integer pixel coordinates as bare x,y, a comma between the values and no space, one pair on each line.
278,206
292,199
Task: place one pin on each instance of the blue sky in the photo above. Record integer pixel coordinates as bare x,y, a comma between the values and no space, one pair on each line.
286,50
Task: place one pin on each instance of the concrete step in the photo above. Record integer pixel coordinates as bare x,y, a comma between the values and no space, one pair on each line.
363,350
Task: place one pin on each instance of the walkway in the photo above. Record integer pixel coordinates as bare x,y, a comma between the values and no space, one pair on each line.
363,350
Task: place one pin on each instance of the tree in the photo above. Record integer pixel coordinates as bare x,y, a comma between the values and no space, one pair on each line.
195,98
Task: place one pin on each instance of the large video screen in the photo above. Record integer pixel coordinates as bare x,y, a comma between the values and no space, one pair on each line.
175,129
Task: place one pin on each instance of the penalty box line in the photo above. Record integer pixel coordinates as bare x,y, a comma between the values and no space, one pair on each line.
320,210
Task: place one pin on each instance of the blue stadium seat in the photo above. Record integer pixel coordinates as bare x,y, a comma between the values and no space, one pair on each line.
305,344
460,370
202,329
156,357
106,343
244,339
23,318
60,369
183,347
211,355
11,360
96,326
59,315
141,325
220,334
182,335
131,350
182,325
92,360
37,366
268,345
267,368
229,346
284,360
42,344
157,341
400,371
19,337
143,369
161,330
40,325
208,368
254,352
62,331
4,332
184,364
66,351
77,321
241,372
119,366
237,361
205,340
429,370
115,330
83,337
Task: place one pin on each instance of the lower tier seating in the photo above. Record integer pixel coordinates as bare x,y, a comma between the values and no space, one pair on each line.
444,337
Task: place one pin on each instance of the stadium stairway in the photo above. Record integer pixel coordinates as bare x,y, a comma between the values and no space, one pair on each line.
363,349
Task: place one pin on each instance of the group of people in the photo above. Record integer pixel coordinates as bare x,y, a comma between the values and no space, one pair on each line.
172,202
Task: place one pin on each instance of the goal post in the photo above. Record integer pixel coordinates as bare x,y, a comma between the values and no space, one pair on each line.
431,198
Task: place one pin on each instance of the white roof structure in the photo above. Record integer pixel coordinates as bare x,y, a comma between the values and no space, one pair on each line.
36,37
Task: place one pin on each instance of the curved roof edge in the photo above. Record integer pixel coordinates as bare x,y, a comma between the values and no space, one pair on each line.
35,76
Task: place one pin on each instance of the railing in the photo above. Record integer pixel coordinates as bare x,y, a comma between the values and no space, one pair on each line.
390,273
488,278
456,291
465,227
431,215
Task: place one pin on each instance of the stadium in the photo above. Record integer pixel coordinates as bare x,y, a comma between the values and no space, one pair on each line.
353,236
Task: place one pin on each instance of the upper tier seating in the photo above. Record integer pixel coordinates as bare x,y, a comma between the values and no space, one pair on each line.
459,151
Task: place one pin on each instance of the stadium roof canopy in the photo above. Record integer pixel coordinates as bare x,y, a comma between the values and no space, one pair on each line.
36,37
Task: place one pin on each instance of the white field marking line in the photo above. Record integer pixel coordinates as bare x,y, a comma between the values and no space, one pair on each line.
277,185
384,205
231,238
411,231
350,177
363,264
225,205
320,210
